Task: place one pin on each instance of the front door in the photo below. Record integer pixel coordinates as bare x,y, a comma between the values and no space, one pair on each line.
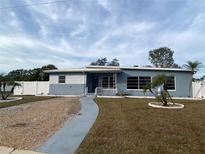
94,83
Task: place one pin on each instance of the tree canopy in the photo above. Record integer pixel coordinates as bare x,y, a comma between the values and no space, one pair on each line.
162,57
35,74
104,62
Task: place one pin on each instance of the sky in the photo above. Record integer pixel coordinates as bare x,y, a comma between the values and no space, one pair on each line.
73,33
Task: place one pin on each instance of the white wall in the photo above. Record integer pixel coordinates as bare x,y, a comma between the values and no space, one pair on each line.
32,88
69,78
198,89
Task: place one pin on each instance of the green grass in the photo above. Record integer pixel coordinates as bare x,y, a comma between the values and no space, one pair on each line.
130,126
25,99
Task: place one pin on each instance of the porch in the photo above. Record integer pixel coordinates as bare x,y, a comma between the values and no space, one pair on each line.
102,83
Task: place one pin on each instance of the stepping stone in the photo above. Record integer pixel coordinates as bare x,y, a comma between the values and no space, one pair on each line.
5,150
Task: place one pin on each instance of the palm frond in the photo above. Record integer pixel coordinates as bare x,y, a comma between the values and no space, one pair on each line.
194,66
158,80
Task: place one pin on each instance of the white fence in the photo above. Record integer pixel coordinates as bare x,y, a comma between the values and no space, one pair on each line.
32,88
42,88
198,88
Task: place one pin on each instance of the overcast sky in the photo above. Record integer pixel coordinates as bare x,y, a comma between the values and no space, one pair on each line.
75,32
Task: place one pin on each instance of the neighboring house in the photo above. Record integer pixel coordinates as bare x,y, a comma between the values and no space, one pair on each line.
110,80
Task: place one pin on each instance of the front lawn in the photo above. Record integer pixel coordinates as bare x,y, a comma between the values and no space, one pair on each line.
25,99
130,126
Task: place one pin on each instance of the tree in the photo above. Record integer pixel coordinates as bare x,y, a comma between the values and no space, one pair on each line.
147,66
158,81
35,74
114,62
19,75
49,67
193,66
4,82
45,76
100,62
176,66
161,57
104,62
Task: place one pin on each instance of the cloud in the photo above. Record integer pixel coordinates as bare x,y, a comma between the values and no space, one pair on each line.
76,32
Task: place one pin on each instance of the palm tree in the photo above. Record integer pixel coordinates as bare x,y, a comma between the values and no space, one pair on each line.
158,81
193,66
4,82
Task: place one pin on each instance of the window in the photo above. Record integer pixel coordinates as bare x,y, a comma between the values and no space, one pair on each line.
138,82
143,81
105,82
171,83
132,83
61,79
108,82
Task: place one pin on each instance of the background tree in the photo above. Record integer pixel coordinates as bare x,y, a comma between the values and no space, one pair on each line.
161,57
49,67
100,62
45,76
176,66
35,74
147,66
114,62
104,62
194,66
19,75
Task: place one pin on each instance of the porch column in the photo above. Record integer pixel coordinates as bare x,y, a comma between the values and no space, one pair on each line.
116,89
85,80
113,82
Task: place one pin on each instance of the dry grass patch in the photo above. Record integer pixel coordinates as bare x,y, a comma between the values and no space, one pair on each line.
131,126
26,126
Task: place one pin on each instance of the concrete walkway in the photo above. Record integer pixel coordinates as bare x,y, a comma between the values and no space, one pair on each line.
68,138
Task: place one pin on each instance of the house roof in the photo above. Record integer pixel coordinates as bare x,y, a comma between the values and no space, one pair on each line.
140,68
110,69
97,70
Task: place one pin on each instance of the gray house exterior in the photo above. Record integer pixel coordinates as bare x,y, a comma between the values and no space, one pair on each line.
109,80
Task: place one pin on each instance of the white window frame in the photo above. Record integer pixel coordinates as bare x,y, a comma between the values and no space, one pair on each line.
132,89
138,83
175,83
59,79
109,88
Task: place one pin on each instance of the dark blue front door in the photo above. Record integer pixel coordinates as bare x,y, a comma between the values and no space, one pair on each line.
94,83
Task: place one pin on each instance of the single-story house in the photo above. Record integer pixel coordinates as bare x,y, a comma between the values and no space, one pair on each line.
110,80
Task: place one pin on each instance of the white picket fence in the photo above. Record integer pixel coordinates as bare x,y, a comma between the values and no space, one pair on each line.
32,88
198,88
